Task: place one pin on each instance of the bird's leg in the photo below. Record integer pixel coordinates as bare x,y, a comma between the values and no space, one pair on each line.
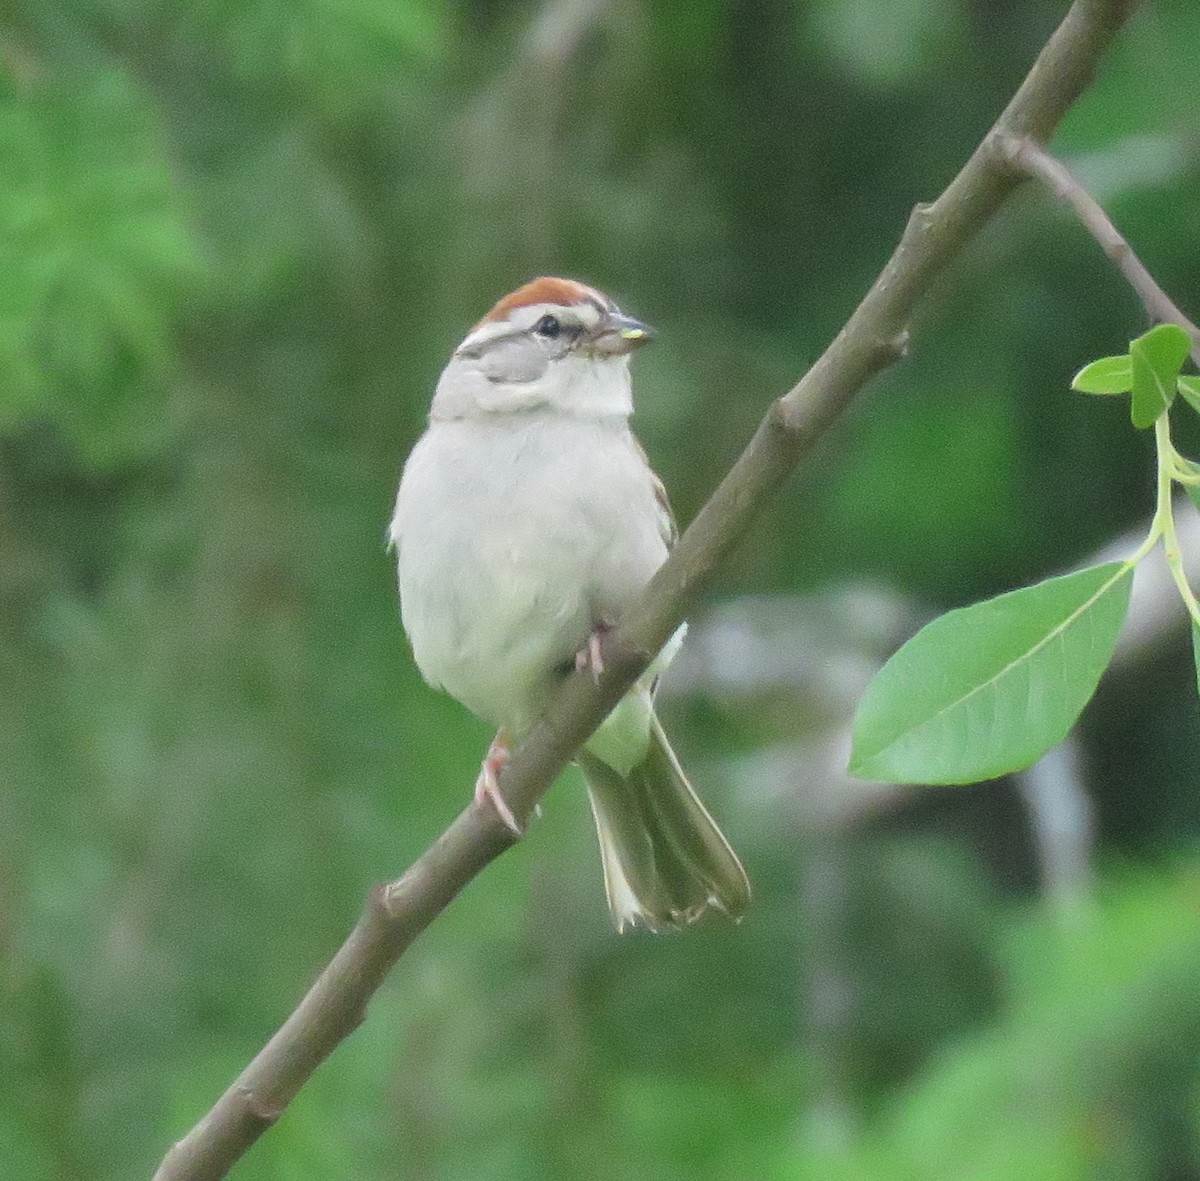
487,786
590,656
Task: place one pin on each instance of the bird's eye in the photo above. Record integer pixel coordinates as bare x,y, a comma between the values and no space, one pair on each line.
548,326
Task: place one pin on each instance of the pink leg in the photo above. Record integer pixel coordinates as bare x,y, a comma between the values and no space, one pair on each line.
487,787
590,655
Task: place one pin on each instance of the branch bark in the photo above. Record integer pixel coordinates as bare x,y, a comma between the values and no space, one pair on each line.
1036,162
876,334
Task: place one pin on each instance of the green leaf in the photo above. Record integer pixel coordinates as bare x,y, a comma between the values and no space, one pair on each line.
988,689
1196,651
1108,375
1189,389
1156,358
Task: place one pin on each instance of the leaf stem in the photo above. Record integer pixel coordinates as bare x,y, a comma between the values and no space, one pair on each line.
1162,506
1170,467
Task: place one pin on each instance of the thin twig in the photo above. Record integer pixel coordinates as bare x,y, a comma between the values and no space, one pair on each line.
874,336
1031,158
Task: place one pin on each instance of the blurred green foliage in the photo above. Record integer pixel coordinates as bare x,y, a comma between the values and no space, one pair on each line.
240,238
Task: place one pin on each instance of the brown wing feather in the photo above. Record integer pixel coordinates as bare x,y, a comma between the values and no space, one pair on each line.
668,526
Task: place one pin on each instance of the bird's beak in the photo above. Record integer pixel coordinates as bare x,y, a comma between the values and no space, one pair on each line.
617,334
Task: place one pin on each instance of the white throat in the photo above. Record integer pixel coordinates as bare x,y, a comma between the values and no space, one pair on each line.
576,384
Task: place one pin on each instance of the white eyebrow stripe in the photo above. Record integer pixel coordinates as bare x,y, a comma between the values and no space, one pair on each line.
588,312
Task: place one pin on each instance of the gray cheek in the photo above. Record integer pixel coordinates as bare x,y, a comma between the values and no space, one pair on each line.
521,360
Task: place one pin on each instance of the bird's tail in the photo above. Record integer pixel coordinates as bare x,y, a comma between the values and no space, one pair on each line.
665,860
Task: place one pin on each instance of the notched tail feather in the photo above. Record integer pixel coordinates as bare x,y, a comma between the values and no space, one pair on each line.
665,860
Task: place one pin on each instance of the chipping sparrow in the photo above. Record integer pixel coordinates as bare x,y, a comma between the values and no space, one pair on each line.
527,519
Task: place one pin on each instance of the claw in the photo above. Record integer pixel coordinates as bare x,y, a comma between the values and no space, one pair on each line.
487,786
590,655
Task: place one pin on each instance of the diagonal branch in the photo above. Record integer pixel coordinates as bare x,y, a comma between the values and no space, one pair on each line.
1029,156
875,335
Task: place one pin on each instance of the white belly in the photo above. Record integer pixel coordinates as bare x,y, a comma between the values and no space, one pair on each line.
516,535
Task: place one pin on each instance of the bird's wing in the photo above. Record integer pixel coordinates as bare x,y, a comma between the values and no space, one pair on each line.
668,527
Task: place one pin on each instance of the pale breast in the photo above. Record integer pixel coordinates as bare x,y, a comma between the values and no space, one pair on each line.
516,535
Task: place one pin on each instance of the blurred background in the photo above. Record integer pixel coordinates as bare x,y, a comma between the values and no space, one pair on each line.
240,239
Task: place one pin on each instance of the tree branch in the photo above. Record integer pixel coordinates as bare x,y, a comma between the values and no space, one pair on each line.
876,334
1036,162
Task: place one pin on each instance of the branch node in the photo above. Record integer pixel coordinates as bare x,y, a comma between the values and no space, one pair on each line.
895,348
919,220
497,815
1119,251
379,901
389,901
779,417
260,1107
1006,149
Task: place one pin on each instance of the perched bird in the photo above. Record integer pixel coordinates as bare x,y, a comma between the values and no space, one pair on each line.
527,519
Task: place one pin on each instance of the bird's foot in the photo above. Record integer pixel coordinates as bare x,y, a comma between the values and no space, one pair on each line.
590,656
487,786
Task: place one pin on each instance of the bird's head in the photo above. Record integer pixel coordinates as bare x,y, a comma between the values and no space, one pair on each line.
553,343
